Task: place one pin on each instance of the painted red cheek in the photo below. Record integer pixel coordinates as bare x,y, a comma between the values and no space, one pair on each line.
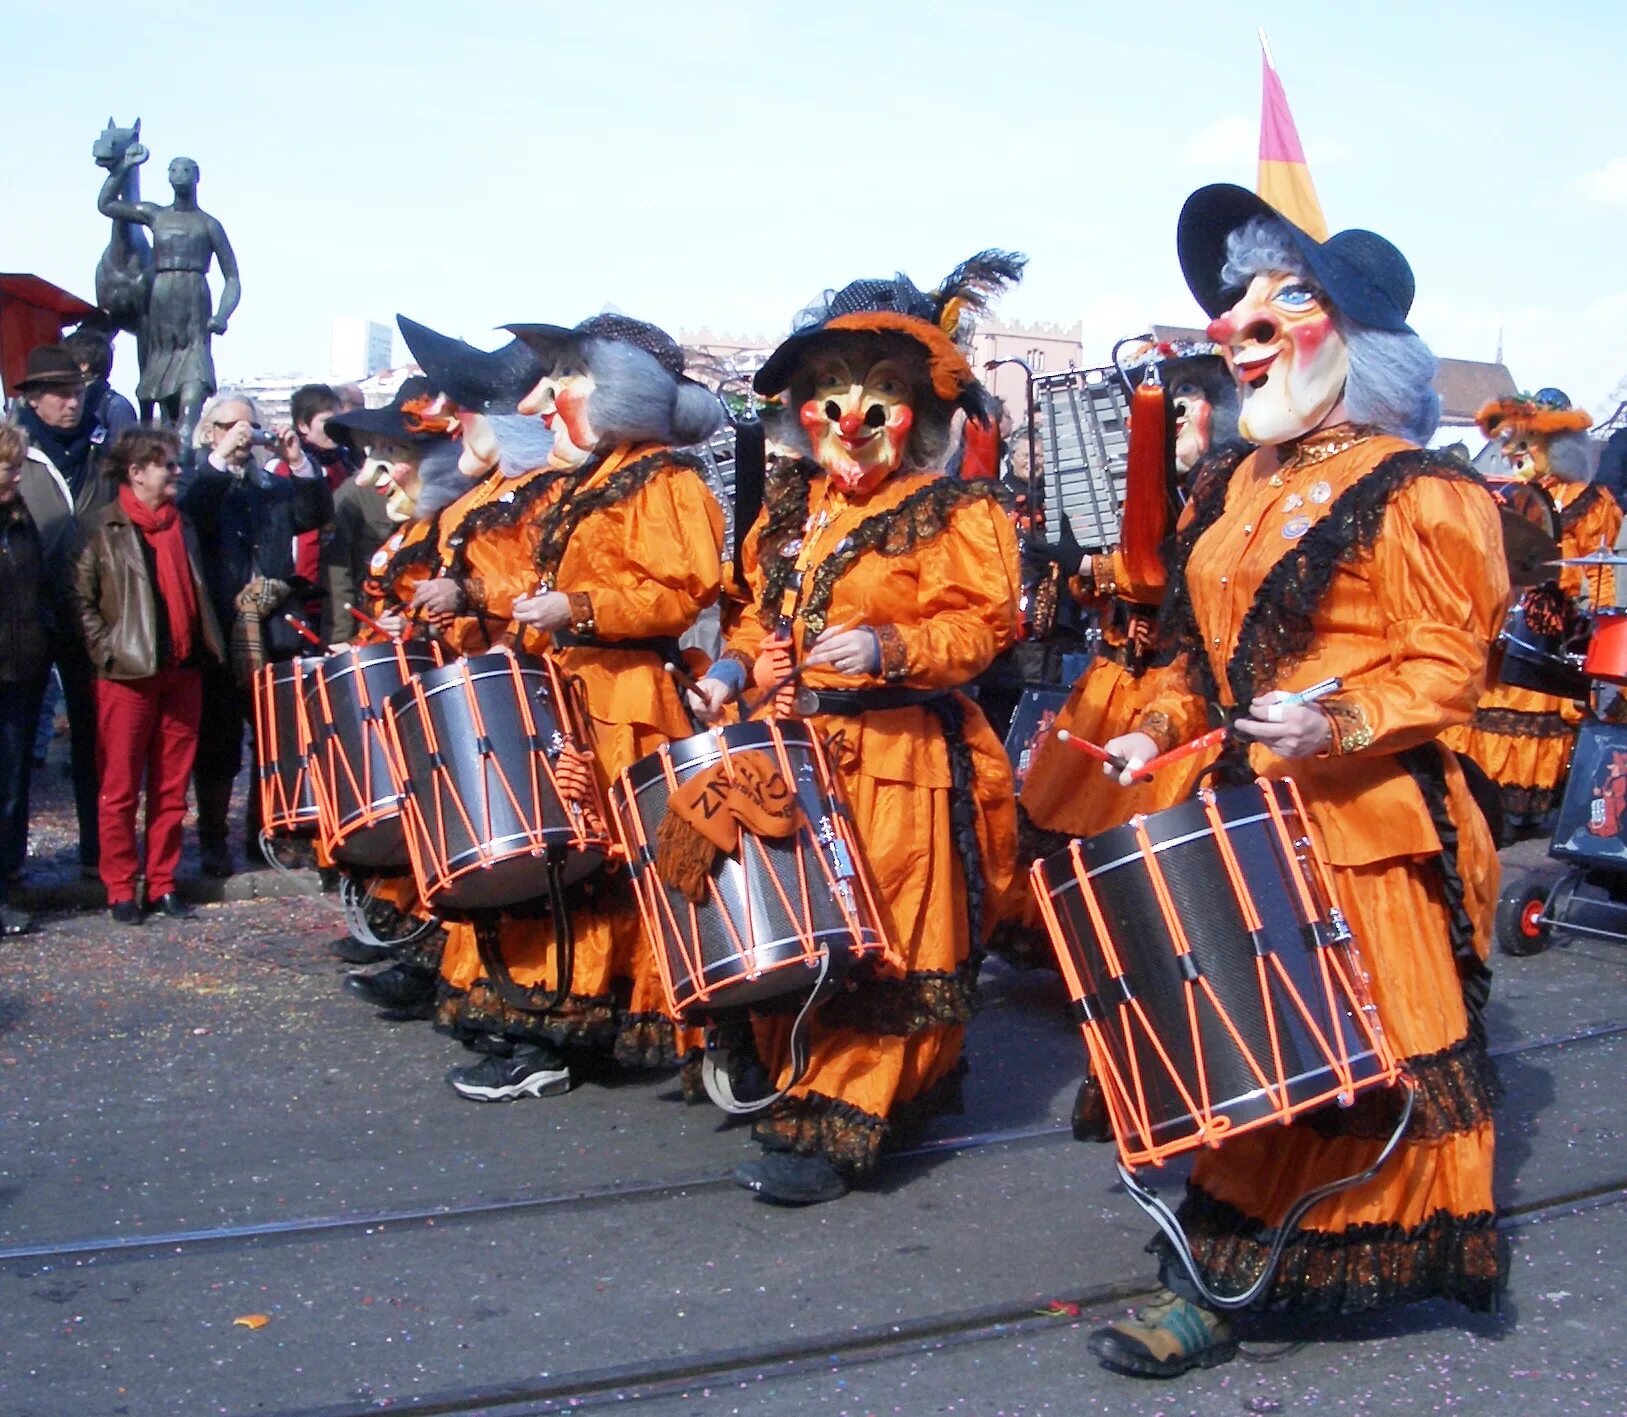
1309,337
901,420
572,405
812,415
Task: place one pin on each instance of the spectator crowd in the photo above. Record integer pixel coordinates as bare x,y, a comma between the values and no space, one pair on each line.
141,581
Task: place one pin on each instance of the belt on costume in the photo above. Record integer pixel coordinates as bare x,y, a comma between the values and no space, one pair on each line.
849,703
164,268
665,646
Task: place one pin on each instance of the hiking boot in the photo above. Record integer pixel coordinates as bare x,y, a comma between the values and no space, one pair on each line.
398,987
353,951
530,1071
788,1179
1167,1337
14,921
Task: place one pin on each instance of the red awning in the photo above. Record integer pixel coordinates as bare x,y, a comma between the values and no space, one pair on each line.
32,312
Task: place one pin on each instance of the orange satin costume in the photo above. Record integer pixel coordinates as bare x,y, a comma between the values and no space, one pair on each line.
1382,565
1523,739
1065,794
930,564
635,539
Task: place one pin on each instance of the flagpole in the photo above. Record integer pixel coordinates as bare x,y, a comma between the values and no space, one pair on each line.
1265,46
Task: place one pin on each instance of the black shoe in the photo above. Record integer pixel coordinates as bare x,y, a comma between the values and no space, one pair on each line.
530,1071
173,906
327,879
14,921
215,859
125,912
398,987
789,1179
353,951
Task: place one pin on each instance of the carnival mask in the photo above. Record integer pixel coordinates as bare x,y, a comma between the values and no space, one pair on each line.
1526,456
561,400
1288,358
1194,416
858,421
479,453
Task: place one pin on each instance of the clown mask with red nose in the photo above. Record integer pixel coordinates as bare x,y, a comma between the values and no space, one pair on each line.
1287,355
859,419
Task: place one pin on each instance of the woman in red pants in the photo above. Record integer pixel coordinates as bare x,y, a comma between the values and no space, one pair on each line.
138,587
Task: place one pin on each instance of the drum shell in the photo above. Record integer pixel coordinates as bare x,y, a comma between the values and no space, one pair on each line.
288,804
1607,647
1537,661
460,865
776,907
1206,904
358,785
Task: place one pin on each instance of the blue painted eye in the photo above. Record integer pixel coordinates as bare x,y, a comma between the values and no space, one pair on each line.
1296,297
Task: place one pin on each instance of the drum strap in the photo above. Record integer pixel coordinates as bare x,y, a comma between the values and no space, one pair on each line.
715,1063
488,941
663,645
850,703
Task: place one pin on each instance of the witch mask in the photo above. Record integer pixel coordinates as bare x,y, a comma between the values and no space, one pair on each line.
1287,356
859,418
1194,422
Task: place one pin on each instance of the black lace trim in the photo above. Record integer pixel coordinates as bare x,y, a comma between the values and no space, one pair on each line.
950,711
1528,806
506,510
424,554
786,502
921,1000
1517,723
1585,502
578,1021
1279,629
1177,628
1352,1271
1035,842
850,1138
559,522
920,518
1456,1090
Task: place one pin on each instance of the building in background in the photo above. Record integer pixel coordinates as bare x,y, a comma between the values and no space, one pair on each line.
358,349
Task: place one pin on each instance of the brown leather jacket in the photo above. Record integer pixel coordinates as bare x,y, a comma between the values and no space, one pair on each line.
113,595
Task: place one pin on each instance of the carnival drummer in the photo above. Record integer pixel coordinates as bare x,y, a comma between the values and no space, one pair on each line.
1339,549
889,585
604,556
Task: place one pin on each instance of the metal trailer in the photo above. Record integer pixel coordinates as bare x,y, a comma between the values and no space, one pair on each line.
1084,421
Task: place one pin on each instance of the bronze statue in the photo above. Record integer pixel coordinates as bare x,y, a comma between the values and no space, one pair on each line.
124,275
177,369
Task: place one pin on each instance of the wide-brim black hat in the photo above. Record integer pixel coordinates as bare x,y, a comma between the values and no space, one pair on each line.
1365,276
548,342
482,380
403,420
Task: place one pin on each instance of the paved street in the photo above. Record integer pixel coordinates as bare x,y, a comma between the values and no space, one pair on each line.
197,1125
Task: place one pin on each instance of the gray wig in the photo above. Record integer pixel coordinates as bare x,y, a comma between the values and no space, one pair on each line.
439,482
928,444
636,400
523,442
1391,380
1570,457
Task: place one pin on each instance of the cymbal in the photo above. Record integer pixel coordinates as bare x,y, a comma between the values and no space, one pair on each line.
1602,557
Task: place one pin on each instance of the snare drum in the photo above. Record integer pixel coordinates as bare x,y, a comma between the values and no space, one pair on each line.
488,820
1539,660
1215,979
358,791
774,913
1607,648
282,740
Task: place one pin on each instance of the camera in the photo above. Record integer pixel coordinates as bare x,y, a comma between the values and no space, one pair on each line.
263,438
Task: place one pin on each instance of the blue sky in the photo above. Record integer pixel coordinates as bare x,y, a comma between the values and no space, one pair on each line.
717,164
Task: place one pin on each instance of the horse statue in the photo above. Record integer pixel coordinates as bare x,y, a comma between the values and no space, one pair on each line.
124,275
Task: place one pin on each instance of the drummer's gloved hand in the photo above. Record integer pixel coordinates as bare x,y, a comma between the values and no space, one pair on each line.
1137,750
1289,730
438,597
549,611
849,650
1065,553
394,624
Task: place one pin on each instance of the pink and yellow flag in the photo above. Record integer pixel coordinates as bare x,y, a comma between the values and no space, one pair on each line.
1284,180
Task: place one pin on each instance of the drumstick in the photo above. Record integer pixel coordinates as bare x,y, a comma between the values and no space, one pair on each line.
1212,739
370,622
1091,750
685,680
305,630
749,710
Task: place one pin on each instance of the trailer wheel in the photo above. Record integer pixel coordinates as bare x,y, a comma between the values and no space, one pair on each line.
1519,927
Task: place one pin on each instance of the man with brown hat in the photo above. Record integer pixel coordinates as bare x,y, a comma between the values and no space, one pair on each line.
58,424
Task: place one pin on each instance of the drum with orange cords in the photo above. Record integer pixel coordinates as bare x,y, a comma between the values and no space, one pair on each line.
750,880
358,789
1218,987
282,745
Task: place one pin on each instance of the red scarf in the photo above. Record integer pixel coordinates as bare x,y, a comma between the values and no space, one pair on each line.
162,528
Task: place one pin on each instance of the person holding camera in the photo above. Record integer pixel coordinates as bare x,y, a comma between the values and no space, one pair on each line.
138,590
246,519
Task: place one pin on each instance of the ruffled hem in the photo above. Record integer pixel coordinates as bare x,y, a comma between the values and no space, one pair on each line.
1352,1271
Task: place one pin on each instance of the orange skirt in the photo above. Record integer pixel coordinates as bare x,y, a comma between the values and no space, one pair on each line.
886,1056
1523,740
1424,1226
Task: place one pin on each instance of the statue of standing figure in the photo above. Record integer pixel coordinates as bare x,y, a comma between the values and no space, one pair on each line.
177,368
